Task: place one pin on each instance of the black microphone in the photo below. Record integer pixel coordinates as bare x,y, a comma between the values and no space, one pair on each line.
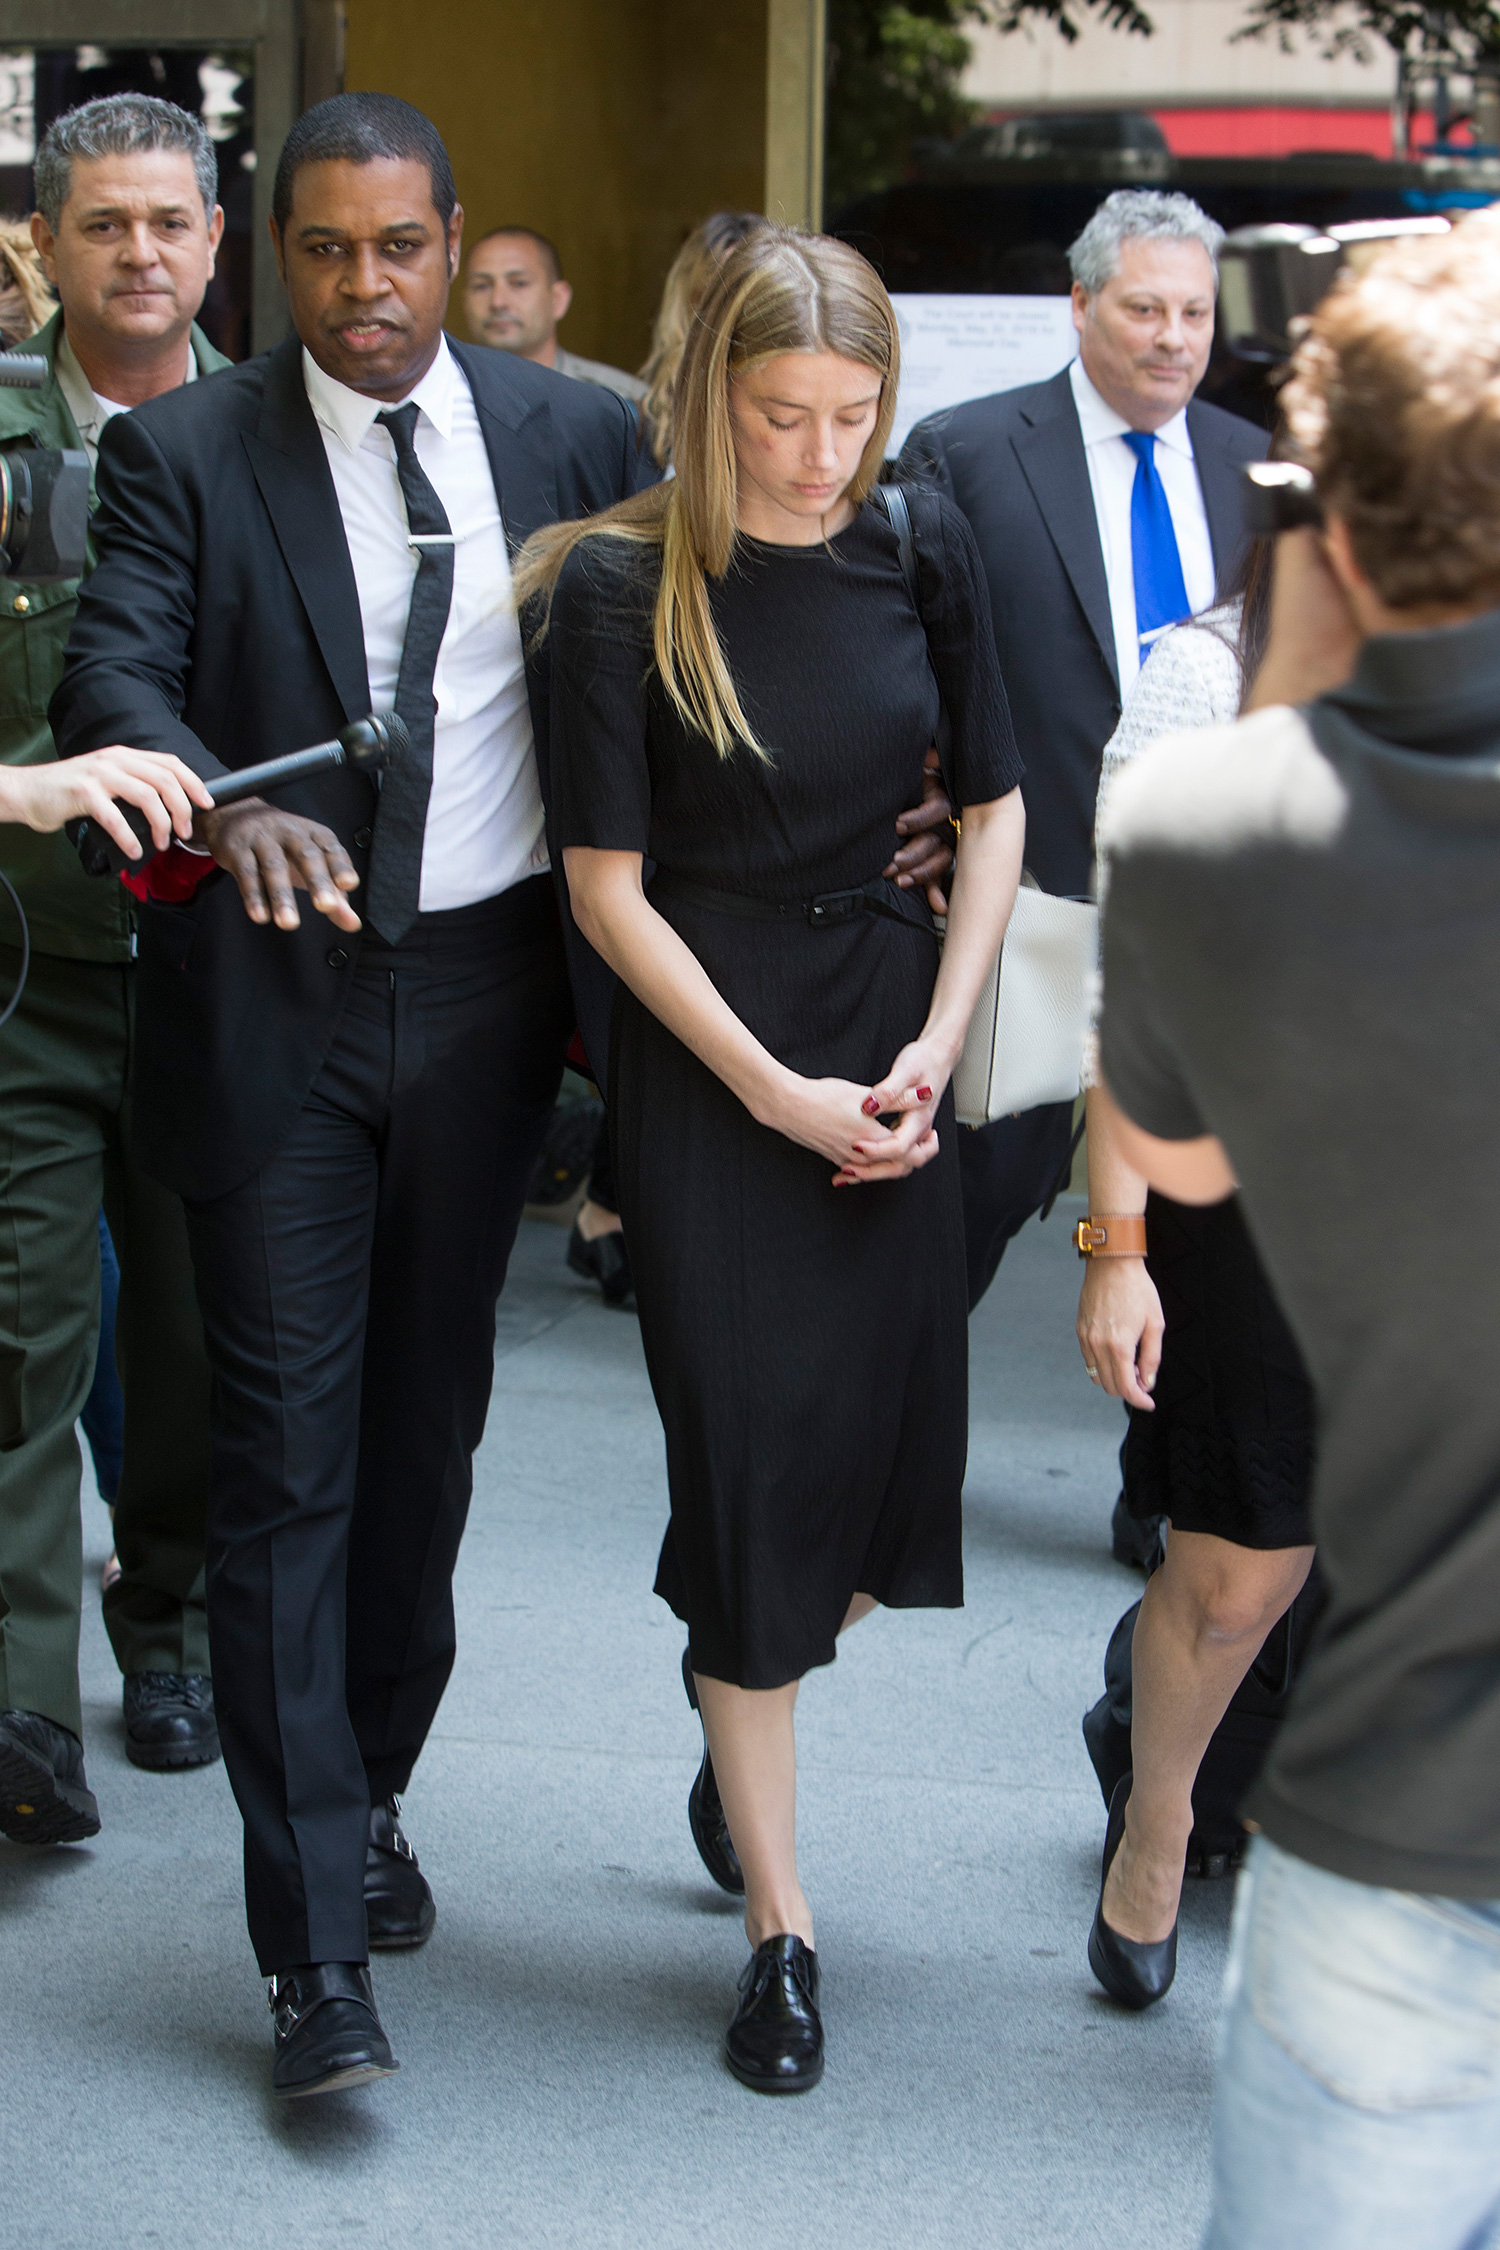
370,743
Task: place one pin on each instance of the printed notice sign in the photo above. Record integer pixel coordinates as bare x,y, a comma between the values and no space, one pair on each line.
953,348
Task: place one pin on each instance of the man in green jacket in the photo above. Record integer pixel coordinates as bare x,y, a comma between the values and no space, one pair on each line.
127,226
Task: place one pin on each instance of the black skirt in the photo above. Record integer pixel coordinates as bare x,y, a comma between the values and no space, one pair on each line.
806,1344
1229,1448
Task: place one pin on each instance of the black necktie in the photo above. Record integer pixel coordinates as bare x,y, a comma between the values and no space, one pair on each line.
394,887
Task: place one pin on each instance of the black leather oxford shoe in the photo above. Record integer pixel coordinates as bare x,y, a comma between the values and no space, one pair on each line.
327,2032
706,1812
1136,1975
604,1259
399,1906
44,1798
169,1721
775,2042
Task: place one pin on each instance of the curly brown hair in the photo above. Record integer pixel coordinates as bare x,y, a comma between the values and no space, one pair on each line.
1393,401
21,268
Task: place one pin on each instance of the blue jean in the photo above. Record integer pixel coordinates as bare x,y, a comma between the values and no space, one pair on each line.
1358,2098
103,1415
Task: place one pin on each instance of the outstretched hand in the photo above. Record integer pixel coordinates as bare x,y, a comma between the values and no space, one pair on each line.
95,785
272,854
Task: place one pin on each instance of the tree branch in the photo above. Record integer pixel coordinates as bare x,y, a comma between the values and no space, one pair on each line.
1118,15
1346,27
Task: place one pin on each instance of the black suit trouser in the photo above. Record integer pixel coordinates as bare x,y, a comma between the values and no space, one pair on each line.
1008,1170
348,1291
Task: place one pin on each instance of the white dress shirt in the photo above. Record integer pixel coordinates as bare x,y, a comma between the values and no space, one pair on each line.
1112,467
89,408
484,816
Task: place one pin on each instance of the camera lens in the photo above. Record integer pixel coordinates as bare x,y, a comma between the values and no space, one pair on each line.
1280,496
44,514
7,511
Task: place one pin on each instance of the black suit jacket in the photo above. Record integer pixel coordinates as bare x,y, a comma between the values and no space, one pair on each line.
223,623
1015,464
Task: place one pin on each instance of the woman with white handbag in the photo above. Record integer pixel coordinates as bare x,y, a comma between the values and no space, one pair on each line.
1177,1319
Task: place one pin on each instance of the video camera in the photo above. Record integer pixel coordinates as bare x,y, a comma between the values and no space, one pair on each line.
1280,496
1271,276
44,495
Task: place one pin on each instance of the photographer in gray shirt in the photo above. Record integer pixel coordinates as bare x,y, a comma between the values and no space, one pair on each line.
1302,996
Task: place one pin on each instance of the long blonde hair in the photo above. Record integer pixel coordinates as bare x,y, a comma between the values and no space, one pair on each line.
683,292
18,252
779,291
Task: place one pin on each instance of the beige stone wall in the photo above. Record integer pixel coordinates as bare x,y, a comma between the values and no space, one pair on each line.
611,125
1192,58
796,82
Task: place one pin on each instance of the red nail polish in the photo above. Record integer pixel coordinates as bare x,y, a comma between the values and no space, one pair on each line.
924,1093
869,1106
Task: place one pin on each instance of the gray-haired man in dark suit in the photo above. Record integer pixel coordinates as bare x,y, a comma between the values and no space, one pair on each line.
1076,516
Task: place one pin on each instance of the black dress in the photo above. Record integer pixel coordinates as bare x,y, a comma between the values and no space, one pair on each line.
1228,1448
807,1345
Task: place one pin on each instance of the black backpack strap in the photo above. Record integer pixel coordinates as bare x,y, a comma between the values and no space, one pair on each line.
893,500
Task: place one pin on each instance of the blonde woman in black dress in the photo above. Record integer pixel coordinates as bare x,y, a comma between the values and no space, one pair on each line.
743,694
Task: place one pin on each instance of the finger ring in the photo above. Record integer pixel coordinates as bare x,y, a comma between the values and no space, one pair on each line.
1092,1374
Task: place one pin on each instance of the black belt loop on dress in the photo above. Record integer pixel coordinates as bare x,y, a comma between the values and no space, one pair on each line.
820,913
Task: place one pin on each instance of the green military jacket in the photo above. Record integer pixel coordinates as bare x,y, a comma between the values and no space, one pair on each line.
68,912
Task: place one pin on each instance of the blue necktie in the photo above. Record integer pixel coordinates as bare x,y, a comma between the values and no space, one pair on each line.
1160,591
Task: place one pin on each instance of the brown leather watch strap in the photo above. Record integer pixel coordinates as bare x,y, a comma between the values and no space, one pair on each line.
1111,1238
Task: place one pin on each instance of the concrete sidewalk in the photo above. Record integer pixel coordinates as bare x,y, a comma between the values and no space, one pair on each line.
561,2080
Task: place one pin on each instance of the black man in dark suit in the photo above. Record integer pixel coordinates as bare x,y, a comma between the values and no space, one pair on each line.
350,1103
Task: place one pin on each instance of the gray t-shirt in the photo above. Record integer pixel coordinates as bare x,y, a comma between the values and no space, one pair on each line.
1302,956
599,371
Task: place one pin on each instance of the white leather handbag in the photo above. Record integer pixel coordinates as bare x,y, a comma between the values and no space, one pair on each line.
1026,1036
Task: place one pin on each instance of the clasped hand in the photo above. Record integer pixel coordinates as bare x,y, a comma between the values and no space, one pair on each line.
843,1121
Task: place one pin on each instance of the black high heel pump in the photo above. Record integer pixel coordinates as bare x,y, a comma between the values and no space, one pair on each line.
1135,1975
